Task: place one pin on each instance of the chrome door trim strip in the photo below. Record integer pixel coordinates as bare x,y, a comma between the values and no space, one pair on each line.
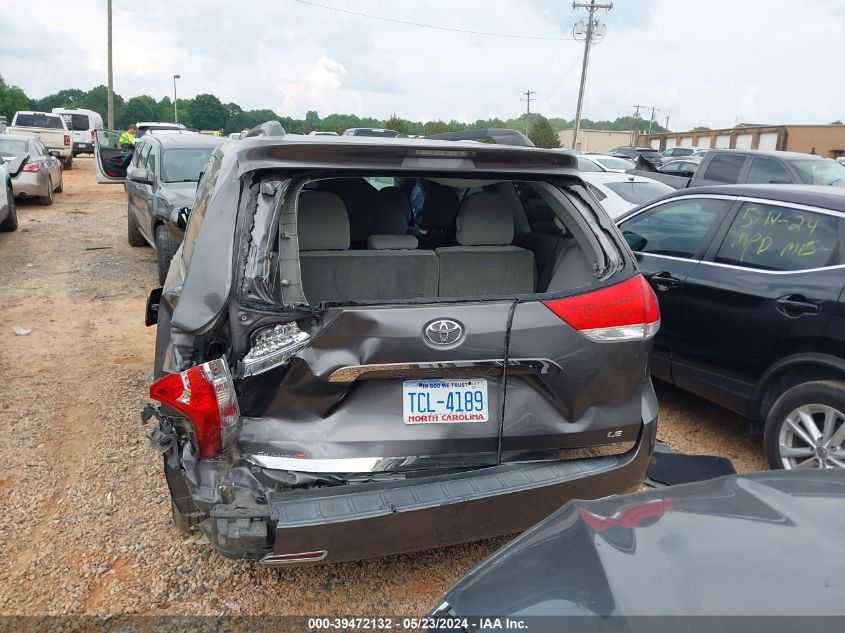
351,373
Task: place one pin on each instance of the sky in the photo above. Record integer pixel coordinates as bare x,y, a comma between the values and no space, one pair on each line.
705,62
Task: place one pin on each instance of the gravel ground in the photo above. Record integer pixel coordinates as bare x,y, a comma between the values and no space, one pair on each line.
85,523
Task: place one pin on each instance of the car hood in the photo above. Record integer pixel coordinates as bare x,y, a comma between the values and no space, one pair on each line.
178,194
766,543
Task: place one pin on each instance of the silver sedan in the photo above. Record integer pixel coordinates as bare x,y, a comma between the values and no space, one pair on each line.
42,173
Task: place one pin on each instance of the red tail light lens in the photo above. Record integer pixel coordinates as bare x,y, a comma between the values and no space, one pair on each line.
67,140
626,311
92,135
32,167
206,395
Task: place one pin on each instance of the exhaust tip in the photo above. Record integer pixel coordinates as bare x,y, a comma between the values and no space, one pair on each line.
278,560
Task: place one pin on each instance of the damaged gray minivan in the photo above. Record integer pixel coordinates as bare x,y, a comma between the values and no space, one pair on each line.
369,346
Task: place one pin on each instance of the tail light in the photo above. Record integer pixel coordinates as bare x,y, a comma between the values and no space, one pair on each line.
67,140
273,346
624,312
32,167
92,135
206,395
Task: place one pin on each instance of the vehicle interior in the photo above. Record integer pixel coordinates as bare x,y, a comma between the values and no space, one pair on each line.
387,238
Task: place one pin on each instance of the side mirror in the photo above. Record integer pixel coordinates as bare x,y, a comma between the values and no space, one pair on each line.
55,153
179,217
140,175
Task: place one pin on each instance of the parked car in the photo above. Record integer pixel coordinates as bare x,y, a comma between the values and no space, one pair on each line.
619,193
732,546
681,151
146,126
41,174
599,162
8,212
317,133
370,131
332,388
48,128
734,166
83,125
840,160
753,315
160,180
684,167
632,153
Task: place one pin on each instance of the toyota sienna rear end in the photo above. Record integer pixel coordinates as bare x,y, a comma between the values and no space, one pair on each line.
371,346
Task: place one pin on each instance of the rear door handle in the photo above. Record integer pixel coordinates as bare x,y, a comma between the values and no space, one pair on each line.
796,305
664,280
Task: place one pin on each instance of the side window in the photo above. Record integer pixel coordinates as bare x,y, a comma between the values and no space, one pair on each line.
150,160
679,229
541,217
725,168
771,237
587,165
140,154
768,171
205,188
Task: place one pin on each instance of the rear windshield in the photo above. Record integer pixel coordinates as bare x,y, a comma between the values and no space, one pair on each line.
12,145
78,122
615,163
378,133
820,172
638,192
52,121
184,165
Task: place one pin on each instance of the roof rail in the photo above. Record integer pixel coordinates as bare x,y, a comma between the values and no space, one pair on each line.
268,128
501,136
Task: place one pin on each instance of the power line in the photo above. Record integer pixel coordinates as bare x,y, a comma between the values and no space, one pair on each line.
433,26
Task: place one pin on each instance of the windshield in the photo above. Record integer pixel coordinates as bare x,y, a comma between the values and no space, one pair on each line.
12,145
615,163
820,172
35,119
638,192
184,165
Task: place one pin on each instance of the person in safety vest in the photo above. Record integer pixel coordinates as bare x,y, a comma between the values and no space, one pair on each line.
218,132
127,139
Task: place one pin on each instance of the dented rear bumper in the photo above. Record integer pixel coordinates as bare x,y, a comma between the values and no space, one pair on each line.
347,523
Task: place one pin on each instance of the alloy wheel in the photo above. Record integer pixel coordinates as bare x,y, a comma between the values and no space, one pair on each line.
813,436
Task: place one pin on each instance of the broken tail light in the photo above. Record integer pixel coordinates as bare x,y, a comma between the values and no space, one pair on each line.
206,395
32,167
623,312
272,347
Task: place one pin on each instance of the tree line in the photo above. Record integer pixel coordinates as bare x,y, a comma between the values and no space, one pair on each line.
207,112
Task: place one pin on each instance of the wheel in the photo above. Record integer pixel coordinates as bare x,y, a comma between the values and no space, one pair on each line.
48,199
68,164
806,427
165,249
11,222
61,187
134,234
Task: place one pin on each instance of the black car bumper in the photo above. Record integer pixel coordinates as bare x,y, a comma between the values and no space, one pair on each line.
368,520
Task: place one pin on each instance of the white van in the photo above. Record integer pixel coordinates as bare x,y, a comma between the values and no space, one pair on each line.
83,125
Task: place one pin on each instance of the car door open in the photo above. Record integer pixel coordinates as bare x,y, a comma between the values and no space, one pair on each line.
111,159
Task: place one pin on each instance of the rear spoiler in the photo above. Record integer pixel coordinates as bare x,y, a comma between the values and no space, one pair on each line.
268,128
501,136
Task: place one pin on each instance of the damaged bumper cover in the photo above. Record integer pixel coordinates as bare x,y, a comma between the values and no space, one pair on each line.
347,523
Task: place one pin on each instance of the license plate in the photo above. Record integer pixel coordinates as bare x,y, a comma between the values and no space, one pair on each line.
444,401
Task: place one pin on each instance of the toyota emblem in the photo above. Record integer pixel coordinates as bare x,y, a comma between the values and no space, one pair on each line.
444,332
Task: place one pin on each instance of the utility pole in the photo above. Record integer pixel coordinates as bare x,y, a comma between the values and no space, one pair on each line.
175,111
651,120
110,106
591,24
634,128
667,120
528,99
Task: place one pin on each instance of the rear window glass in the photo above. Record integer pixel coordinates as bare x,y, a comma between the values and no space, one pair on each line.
638,192
184,165
724,169
39,120
79,122
12,145
771,237
376,133
615,163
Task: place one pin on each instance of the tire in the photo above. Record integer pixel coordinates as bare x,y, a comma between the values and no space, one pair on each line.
68,164
165,250
813,411
61,187
11,223
134,233
48,199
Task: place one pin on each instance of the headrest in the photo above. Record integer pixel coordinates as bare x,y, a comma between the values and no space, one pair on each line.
400,199
391,242
485,219
322,222
440,208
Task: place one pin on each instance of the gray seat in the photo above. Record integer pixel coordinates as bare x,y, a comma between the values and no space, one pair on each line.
485,263
331,273
395,216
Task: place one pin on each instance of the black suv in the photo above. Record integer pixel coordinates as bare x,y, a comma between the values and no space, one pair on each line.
343,377
750,281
